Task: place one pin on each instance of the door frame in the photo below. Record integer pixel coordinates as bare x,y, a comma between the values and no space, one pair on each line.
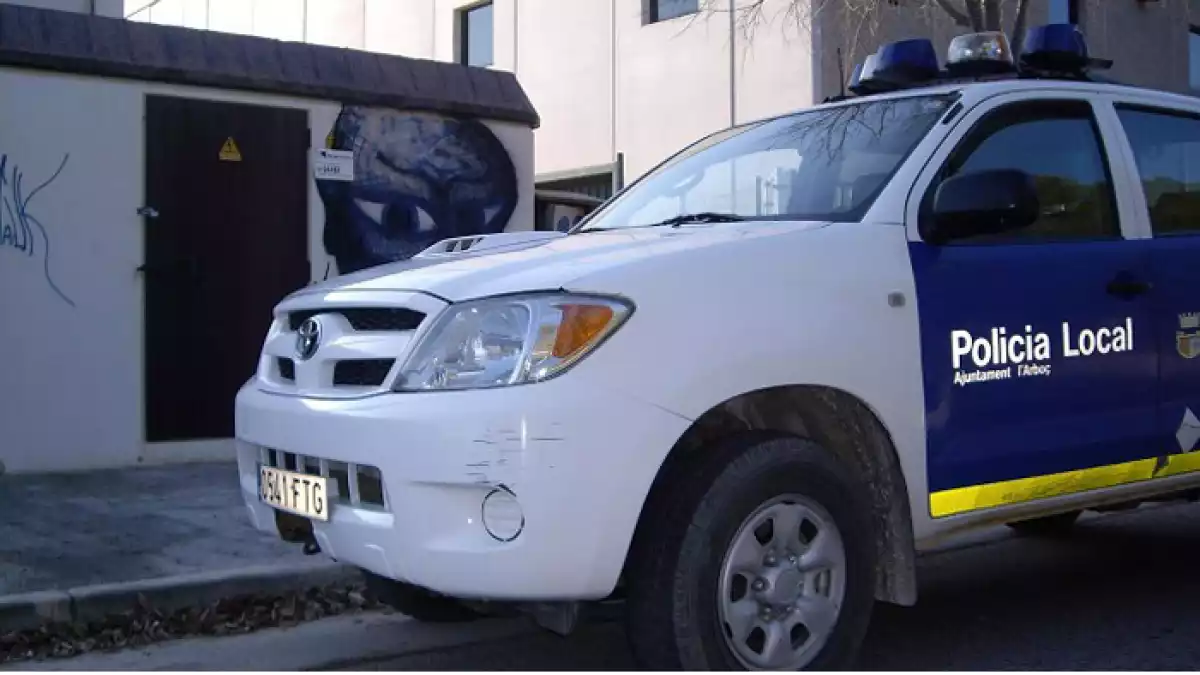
1126,187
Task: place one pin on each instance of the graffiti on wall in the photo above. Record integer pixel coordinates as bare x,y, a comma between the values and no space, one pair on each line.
21,231
418,178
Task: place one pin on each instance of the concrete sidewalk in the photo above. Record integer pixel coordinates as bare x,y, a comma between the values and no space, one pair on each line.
107,535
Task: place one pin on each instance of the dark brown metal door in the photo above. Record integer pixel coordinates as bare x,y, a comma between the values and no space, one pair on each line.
226,222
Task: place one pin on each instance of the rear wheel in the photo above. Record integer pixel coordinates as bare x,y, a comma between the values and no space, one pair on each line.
760,558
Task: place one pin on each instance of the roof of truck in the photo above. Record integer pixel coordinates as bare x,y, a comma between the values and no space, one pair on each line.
109,47
991,86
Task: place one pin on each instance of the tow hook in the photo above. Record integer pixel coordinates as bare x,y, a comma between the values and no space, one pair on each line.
297,530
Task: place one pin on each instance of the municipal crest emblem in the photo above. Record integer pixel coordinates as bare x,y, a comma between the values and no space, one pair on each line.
1187,338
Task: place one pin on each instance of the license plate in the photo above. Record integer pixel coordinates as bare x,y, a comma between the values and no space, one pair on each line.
296,493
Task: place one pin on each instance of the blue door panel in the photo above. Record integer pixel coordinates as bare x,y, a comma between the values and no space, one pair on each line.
1166,150
1054,408
1176,270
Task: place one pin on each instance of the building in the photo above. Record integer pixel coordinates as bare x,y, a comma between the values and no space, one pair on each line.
109,8
161,189
622,84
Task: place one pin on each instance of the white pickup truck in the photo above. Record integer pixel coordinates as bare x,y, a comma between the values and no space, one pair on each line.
744,394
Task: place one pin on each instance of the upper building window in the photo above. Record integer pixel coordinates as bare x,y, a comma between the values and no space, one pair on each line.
661,10
1063,11
475,33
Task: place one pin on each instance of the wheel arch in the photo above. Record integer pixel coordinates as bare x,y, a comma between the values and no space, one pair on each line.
840,422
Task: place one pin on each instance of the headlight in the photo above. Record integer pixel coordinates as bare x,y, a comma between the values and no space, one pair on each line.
502,341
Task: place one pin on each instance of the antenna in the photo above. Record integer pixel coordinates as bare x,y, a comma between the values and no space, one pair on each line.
841,75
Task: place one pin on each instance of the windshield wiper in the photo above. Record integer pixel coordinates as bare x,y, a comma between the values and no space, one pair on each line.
681,219
702,217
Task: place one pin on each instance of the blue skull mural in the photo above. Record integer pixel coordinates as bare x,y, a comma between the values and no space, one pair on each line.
418,178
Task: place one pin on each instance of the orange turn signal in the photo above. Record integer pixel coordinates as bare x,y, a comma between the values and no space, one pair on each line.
579,326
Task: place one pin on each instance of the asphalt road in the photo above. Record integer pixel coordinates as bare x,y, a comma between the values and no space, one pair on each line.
1119,594
1122,592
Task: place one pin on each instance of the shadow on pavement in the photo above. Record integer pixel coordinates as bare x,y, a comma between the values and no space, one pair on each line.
1120,593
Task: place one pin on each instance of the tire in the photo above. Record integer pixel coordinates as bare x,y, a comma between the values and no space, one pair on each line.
1047,526
417,602
674,611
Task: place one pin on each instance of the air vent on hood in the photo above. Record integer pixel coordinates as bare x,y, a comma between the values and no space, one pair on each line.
494,243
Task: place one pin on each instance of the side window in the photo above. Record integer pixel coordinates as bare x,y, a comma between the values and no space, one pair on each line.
1166,147
1056,142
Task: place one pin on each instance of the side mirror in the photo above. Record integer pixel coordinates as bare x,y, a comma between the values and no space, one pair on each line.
979,203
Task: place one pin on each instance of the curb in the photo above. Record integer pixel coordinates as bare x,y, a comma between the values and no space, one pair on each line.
30,611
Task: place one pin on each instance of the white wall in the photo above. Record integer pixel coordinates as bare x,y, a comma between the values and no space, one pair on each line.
403,28
774,73
565,64
71,381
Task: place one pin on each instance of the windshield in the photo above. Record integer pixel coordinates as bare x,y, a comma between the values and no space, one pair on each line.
824,164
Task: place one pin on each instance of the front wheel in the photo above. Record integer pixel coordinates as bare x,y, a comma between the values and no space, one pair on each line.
760,558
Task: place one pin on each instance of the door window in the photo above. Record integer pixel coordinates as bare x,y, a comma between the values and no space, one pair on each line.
1058,143
1166,148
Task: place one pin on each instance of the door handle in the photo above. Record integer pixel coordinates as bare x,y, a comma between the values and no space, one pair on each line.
1127,287
184,267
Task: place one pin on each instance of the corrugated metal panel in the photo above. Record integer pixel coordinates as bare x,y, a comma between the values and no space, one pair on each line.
598,185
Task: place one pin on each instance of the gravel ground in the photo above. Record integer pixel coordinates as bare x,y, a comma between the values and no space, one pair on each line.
144,626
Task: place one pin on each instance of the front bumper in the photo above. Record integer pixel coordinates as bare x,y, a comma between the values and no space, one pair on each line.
580,464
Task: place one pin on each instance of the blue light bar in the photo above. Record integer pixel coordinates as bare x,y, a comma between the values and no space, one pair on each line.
907,61
1055,47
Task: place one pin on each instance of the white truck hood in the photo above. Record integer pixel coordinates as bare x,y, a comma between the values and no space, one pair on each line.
533,261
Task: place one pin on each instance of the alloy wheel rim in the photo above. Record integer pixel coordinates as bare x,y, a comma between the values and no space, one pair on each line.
782,584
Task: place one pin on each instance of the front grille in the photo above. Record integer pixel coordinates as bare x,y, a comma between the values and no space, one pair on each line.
367,319
361,372
353,484
287,369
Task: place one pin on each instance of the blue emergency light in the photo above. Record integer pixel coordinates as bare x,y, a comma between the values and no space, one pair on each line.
896,65
907,61
1058,48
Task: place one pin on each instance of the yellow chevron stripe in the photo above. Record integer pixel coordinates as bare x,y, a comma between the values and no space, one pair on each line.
1004,493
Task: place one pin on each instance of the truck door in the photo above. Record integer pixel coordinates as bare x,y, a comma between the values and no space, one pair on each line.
1040,366
1165,145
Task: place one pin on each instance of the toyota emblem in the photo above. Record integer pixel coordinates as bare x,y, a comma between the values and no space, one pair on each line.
308,338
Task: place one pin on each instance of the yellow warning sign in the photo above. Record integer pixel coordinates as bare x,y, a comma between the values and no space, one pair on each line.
229,151
329,141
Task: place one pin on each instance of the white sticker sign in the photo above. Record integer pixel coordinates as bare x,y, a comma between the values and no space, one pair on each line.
995,355
333,164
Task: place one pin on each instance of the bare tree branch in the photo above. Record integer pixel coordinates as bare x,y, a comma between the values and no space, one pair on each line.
1018,32
958,17
854,26
991,11
975,13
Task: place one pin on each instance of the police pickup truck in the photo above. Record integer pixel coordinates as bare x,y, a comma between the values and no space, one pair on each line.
737,400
